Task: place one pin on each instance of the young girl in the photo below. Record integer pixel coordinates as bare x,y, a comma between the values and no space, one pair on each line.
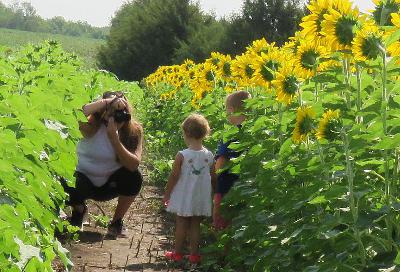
189,188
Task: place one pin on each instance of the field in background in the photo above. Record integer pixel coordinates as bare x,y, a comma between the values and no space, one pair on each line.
85,48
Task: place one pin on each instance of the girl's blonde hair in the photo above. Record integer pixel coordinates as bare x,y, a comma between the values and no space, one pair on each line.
130,134
196,126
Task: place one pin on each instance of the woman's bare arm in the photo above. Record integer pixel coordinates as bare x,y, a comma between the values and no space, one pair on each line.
95,106
128,159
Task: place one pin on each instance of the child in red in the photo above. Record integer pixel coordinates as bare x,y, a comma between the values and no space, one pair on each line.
234,107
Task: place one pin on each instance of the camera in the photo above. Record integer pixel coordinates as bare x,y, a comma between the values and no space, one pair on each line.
121,116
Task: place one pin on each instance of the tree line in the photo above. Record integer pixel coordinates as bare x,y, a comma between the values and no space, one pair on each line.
145,34
23,16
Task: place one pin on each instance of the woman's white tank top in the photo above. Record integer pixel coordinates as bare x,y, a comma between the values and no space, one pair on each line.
97,158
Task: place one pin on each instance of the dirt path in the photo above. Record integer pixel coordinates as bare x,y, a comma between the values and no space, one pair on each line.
149,234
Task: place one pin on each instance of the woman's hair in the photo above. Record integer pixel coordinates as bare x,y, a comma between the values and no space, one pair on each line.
196,126
130,134
236,100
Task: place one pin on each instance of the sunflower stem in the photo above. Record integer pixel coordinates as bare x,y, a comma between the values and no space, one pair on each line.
347,81
353,207
280,116
316,84
384,107
359,118
322,158
300,98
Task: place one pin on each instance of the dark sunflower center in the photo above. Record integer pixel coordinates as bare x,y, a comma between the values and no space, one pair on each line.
263,50
384,10
345,30
215,61
227,69
332,129
268,69
249,71
191,74
290,85
210,76
306,125
370,47
320,19
309,59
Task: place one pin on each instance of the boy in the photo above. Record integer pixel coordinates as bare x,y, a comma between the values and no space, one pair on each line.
234,104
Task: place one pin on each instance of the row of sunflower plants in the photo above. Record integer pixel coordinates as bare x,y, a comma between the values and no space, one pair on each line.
320,159
42,90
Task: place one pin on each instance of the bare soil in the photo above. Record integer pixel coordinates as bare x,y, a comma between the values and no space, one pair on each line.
149,233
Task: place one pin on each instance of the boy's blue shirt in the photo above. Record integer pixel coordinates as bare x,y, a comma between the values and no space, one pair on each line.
224,150
226,179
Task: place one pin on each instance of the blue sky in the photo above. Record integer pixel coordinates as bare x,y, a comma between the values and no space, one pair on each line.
100,12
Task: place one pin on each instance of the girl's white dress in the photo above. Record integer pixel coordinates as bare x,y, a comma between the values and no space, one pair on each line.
191,195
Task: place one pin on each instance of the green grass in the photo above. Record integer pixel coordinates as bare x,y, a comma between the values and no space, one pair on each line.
85,48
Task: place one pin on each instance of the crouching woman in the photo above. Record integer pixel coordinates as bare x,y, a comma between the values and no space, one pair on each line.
108,158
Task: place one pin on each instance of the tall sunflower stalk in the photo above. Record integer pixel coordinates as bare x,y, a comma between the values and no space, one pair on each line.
347,78
359,118
384,108
353,207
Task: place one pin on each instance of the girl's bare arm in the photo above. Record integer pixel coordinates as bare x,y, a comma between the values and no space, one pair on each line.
174,175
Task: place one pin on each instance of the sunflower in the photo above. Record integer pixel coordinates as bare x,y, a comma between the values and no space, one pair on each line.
329,125
339,25
242,70
308,56
260,46
311,24
222,63
294,42
287,82
304,123
383,10
394,48
265,68
367,43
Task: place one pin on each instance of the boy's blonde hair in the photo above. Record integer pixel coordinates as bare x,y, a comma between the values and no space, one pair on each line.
196,126
236,100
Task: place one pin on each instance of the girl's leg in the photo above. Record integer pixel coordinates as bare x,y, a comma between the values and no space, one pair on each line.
195,234
182,224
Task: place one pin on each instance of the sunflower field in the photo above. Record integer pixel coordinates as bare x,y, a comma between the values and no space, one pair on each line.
320,163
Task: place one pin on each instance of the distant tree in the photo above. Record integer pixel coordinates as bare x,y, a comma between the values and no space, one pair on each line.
147,33
202,40
275,20
5,15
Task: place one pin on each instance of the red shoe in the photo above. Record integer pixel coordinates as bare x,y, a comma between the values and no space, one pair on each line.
194,258
173,256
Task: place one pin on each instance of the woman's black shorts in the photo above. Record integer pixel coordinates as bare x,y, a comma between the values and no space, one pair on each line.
122,182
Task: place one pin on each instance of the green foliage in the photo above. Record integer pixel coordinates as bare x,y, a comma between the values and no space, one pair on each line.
145,34
317,206
273,20
148,33
203,39
85,48
42,90
23,16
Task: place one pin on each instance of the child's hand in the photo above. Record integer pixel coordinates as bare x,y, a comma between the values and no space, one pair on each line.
165,200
